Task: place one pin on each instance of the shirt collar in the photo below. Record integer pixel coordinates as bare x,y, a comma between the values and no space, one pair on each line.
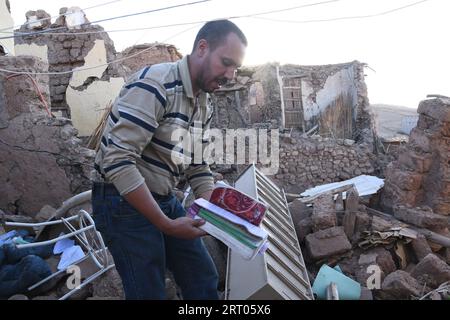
187,83
186,77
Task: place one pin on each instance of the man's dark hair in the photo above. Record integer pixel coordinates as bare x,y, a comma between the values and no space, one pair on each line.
215,32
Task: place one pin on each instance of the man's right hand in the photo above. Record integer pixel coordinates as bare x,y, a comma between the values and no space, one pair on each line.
184,228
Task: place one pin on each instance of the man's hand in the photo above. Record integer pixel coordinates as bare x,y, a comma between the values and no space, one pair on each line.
206,195
185,228
142,200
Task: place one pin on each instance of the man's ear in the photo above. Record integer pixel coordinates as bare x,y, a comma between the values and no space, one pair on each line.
202,47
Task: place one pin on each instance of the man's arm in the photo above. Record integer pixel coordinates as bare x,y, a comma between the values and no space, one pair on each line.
137,112
142,200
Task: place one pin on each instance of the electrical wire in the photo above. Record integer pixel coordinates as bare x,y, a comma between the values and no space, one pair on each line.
344,18
97,66
107,19
59,15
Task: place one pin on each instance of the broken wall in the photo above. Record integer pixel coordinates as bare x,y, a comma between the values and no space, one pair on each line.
421,175
6,25
80,95
334,97
42,161
148,54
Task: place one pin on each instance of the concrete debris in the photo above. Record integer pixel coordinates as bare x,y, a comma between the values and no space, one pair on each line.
324,214
431,271
327,243
399,285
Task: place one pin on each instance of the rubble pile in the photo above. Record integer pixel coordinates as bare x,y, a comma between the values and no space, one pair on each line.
389,257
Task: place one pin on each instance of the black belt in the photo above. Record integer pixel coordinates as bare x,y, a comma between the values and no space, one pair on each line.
108,189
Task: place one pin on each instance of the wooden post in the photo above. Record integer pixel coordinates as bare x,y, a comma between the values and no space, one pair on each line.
280,83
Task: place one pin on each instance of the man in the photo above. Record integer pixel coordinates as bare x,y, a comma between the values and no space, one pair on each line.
141,221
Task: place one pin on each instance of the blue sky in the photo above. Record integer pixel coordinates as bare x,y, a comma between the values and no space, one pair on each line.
407,49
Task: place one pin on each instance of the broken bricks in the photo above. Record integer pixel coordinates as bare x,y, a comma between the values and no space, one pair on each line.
431,271
327,243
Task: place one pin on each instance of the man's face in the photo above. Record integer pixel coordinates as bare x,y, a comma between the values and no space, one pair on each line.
220,65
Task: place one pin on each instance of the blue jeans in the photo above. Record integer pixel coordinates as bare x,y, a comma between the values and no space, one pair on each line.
142,252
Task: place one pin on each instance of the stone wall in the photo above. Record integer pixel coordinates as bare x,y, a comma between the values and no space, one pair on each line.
42,161
421,175
308,162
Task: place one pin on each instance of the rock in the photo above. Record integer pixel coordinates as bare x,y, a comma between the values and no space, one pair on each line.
380,224
375,257
349,142
38,20
366,294
18,297
420,247
46,213
324,214
362,222
432,271
299,211
108,285
351,207
400,285
323,220
49,297
303,228
435,108
419,218
327,243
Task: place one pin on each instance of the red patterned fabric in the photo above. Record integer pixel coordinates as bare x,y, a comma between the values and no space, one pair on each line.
238,203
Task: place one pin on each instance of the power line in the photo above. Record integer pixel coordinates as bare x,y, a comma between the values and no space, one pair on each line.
344,18
109,19
291,8
97,66
176,24
198,22
117,30
59,15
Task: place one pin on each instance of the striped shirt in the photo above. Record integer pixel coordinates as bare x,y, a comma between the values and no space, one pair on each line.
137,145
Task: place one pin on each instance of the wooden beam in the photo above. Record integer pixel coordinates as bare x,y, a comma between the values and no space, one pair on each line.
430,235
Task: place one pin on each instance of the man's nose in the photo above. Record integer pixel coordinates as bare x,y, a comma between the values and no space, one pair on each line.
229,74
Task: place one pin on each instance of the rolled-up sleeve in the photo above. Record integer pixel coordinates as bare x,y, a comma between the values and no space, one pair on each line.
138,110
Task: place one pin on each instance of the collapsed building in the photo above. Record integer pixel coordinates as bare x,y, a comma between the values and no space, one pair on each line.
327,135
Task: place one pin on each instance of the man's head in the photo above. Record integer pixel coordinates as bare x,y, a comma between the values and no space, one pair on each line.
218,51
